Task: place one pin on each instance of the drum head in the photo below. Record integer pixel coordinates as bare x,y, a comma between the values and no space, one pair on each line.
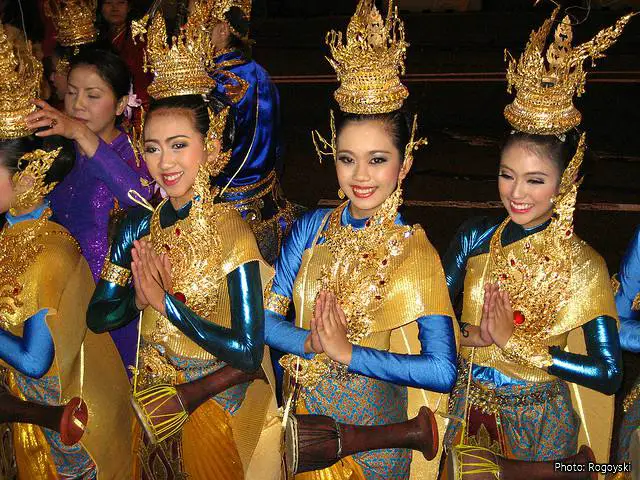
291,445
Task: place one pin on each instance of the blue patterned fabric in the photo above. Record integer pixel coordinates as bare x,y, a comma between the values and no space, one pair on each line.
70,461
365,401
629,278
538,431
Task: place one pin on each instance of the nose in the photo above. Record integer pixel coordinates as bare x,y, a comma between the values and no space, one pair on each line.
79,102
361,172
519,190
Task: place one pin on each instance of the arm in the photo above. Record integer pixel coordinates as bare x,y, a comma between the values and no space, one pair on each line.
433,369
107,166
601,368
113,304
32,354
242,345
629,290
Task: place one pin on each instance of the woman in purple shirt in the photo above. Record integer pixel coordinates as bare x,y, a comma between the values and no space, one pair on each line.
105,168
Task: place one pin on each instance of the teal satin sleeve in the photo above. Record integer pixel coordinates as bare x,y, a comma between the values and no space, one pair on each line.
240,346
434,368
113,306
32,354
601,368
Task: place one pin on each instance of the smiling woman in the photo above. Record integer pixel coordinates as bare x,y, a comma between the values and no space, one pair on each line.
105,168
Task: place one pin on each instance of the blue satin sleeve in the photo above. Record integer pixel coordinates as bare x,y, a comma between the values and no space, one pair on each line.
629,278
471,234
601,368
279,332
242,345
32,354
113,306
433,369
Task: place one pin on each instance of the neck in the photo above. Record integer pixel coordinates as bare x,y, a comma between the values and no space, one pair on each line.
179,202
115,30
359,214
19,212
109,134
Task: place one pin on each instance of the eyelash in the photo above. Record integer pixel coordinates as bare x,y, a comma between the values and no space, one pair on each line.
373,161
150,149
179,146
533,181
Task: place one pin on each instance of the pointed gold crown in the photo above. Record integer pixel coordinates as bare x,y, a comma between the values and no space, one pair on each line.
369,65
220,7
20,77
74,21
545,90
179,69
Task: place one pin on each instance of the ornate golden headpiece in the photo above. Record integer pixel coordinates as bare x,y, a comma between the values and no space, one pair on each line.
179,69
544,90
74,21
369,65
39,163
220,7
20,78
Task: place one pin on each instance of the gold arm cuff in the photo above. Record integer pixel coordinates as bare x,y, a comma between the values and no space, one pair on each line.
527,351
636,303
276,303
115,273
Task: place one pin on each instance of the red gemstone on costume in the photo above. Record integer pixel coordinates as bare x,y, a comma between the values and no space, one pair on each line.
16,291
378,297
503,276
178,232
382,282
384,262
365,255
180,296
513,262
518,318
166,247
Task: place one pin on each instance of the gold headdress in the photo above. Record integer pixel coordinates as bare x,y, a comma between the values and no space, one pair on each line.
39,163
20,78
179,69
220,7
544,90
369,65
74,21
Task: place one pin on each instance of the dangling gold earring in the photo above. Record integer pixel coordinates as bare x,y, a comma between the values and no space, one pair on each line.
341,194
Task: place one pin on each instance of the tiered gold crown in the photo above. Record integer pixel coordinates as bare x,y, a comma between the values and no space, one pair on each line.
74,21
220,7
369,65
20,77
545,89
179,69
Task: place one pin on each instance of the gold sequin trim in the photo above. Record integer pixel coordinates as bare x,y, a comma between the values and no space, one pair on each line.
276,303
631,398
615,283
115,273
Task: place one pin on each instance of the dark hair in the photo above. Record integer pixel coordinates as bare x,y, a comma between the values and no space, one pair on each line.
560,150
11,151
111,68
103,25
199,107
397,123
240,24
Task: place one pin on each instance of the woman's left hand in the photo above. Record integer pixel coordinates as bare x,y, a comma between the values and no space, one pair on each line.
501,322
332,330
153,275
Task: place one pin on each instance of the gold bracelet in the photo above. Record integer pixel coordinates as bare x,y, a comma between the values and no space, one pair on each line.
276,303
115,273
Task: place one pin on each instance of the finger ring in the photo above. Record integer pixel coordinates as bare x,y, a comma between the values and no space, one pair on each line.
53,123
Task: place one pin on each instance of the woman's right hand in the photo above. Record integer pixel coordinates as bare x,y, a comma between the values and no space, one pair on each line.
479,336
59,123
313,344
141,300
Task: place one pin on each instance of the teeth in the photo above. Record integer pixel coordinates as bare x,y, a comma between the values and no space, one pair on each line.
521,206
171,178
364,190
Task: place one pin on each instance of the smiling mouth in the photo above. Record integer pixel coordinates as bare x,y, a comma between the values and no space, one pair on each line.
363,192
170,179
520,207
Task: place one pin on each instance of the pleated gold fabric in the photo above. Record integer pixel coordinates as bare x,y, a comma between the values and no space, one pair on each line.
59,279
590,296
238,246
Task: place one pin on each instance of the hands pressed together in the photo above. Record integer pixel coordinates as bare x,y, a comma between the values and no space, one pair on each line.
151,276
329,330
496,324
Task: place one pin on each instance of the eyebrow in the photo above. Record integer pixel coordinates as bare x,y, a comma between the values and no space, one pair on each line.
90,88
372,152
167,140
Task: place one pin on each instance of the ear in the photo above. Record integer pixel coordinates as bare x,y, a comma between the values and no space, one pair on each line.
121,105
24,183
